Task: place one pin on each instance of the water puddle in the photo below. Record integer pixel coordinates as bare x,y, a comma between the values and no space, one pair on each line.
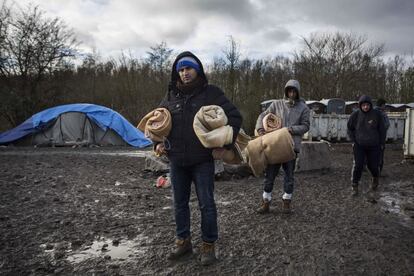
224,203
118,193
127,153
391,203
138,153
106,248
394,203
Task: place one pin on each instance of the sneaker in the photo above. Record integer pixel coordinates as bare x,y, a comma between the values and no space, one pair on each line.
265,207
207,253
182,247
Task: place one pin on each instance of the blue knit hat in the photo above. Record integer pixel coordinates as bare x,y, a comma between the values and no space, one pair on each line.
189,62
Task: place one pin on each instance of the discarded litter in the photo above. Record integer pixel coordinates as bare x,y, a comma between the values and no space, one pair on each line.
163,182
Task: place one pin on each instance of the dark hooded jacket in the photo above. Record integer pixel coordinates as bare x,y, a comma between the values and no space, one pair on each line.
182,145
366,128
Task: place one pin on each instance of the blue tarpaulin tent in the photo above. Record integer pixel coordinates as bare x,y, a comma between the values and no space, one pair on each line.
89,123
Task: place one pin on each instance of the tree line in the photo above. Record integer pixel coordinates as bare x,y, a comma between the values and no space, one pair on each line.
37,71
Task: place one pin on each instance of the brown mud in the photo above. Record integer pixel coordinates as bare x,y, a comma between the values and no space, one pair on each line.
84,211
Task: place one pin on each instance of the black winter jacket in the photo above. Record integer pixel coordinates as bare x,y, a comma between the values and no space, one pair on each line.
366,128
183,146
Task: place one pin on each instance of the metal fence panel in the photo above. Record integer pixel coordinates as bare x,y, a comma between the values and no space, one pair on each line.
333,127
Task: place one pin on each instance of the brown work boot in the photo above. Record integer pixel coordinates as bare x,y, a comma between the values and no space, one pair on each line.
182,247
354,189
374,183
286,206
207,253
265,207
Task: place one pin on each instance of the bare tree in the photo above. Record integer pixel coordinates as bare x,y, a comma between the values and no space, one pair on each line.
232,54
4,26
407,85
330,63
4,18
159,57
31,47
395,73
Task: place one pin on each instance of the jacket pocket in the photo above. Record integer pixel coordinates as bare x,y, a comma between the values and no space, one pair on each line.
175,107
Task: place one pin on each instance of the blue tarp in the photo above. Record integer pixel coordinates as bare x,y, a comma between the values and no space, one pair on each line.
104,117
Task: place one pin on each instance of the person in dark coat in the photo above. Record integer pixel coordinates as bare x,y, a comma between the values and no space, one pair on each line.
189,160
366,129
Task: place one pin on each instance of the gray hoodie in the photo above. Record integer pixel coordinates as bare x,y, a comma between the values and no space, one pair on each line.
294,114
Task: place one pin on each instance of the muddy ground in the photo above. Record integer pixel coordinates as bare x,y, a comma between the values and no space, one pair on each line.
67,211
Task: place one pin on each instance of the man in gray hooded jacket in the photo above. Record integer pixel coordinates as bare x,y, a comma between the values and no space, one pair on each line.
295,116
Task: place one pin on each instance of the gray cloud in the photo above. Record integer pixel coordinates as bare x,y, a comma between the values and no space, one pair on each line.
177,35
278,34
85,37
372,13
267,26
242,10
100,2
383,21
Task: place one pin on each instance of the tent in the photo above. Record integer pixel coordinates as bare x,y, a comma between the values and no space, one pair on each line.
76,124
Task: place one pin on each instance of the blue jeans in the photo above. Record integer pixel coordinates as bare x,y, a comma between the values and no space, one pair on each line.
202,175
372,156
272,171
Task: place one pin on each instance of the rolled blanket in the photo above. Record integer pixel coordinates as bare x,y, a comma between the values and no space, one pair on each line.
156,125
236,156
275,147
271,122
255,156
210,126
278,146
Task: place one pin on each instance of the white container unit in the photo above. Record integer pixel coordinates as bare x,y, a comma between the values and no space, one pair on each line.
333,127
409,134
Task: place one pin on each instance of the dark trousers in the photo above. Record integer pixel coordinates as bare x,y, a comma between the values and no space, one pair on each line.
372,156
203,177
272,171
381,160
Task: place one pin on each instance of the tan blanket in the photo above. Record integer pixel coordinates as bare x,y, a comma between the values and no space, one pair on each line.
275,147
210,126
156,125
271,122
236,155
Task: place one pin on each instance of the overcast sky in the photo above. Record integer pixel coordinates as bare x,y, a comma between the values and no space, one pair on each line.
261,27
